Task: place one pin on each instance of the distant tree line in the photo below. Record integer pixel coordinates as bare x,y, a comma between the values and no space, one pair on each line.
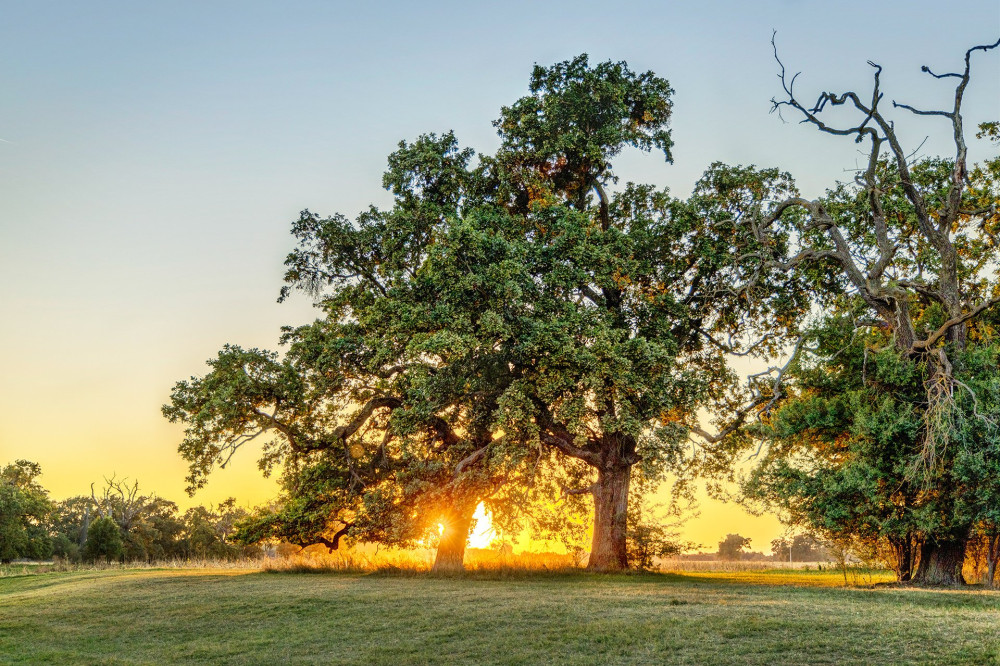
118,523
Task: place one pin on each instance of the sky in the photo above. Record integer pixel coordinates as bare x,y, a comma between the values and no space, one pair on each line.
154,155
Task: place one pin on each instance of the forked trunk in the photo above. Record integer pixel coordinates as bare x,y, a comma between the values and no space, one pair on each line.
941,562
608,551
456,522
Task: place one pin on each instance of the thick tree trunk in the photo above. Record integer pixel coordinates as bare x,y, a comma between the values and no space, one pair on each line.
608,551
450,554
941,562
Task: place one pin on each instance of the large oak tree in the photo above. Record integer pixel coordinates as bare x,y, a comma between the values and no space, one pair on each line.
504,328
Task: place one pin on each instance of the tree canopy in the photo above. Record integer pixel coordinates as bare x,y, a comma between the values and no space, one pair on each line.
24,508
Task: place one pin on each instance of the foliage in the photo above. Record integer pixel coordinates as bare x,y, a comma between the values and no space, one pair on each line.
650,539
376,433
68,525
24,508
149,528
732,547
104,541
511,332
207,532
561,138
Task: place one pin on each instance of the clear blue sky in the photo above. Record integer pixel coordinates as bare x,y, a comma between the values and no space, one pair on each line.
155,154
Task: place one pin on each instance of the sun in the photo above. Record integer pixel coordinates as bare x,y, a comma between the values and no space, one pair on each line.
483,533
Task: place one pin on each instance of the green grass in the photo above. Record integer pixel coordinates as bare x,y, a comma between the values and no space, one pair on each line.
237,616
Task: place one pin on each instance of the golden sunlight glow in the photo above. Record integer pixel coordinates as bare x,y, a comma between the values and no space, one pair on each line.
482,534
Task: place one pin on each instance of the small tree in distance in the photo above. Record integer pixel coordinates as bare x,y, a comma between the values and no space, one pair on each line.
732,547
24,508
104,541
801,548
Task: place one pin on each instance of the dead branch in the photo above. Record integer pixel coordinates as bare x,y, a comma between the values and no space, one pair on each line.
754,405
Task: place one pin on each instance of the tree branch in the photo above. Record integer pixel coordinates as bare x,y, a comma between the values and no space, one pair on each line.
341,433
334,543
471,459
566,491
954,321
946,114
755,403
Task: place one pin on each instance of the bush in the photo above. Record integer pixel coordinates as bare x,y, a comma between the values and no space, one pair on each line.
104,541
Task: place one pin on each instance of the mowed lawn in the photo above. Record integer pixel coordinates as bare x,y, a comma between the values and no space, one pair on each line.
210,615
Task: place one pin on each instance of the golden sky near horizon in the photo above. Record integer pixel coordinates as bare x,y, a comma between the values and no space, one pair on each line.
143,448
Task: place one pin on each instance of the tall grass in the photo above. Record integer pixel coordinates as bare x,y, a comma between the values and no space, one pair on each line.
416,562
478,562
27,568
739,565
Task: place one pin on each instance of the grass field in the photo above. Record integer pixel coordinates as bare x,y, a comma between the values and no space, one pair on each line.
240,616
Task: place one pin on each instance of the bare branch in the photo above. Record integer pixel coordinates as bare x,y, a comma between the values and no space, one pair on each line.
946,114
927,69
811,115
730,348
754,405
233,445
975,403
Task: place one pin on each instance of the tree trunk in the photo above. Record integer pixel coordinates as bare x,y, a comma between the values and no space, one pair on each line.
450,554
902,549
941,562
992,555
608,551
85,527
